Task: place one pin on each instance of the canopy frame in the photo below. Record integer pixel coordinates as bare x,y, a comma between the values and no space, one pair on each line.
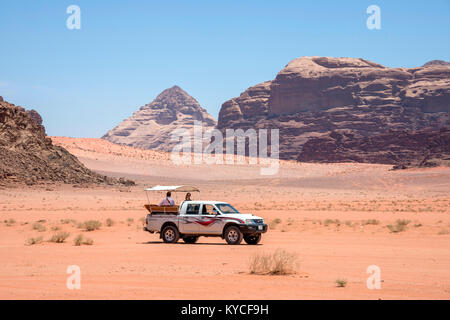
159,188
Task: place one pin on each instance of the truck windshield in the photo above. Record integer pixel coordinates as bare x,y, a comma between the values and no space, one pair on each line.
226,208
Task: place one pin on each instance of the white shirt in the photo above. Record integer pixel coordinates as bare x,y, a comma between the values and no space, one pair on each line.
167,201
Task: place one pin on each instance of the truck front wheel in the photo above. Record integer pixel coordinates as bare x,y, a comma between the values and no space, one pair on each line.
233,235
170,234
252,239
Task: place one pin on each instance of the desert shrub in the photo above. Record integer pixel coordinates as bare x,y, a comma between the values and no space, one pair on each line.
109,222
341,283
10,222
80,239
443,231
59,237
327,222
31,241
280,262
39,227
67,221
399,226
403,222
273,224
56,228
371,221
92,225
130,221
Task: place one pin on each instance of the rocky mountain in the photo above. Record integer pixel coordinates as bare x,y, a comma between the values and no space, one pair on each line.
324,98
152,125
28,156
422,148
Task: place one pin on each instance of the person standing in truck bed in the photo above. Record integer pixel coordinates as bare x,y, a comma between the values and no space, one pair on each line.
167,201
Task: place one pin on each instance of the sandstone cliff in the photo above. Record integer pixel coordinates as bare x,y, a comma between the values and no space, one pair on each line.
313,97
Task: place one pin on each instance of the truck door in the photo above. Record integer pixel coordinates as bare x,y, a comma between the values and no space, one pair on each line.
210,222
188,220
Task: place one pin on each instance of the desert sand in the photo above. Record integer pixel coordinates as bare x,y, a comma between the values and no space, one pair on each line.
335,217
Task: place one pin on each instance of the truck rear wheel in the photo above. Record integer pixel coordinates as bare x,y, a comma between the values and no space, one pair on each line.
192,239
233,235
252,239
170,234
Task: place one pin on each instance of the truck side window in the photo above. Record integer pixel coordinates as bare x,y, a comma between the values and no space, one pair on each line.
208,209
192,208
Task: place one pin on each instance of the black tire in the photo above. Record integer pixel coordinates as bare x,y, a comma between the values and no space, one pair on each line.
252,239
233,235
170,234
192,239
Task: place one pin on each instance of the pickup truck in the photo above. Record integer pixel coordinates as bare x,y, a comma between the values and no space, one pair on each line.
193,219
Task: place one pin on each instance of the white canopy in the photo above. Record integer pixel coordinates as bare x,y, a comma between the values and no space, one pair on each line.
174,188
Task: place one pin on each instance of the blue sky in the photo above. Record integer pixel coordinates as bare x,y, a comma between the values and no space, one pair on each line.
84,82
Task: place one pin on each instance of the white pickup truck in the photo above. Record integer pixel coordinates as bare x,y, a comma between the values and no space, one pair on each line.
193,219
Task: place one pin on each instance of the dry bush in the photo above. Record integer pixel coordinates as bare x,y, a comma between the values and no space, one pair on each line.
130,221
91,225
39,227
327,222
67,221
31,241
109,222
341,283
399,226
371,221
59,237
80,239
280,262
10,222
403,222
443,231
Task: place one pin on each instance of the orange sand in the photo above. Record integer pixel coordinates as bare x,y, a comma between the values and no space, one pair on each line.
125,262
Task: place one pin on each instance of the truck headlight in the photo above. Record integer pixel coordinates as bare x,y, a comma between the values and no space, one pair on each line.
249,221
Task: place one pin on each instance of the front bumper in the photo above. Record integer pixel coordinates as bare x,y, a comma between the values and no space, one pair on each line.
253,228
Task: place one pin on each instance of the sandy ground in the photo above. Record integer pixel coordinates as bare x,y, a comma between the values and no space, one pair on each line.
334,217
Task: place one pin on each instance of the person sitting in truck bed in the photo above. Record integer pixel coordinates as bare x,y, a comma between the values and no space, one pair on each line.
167,201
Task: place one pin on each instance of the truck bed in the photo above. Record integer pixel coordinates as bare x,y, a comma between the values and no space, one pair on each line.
155,209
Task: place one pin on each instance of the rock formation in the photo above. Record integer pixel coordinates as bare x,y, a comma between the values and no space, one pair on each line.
423,148
321,98
151,127
28,156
